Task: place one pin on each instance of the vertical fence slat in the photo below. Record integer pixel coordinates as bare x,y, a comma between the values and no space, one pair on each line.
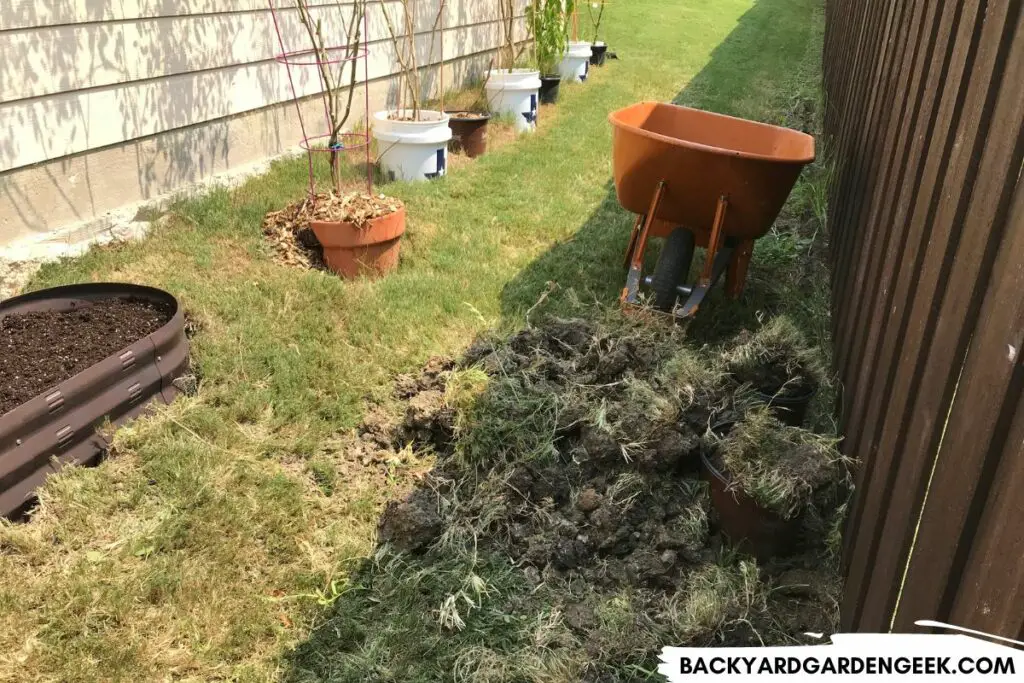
969,430
975,481
923,121
887,409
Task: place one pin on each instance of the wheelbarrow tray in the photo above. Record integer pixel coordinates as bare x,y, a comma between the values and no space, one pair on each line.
702,156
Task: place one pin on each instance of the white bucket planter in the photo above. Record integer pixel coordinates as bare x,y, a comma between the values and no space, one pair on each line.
412,150
515,93
575,65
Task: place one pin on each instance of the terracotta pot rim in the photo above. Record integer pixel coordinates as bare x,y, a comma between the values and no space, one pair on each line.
364,227
376,231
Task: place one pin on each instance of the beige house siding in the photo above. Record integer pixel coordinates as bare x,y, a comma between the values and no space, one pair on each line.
108,103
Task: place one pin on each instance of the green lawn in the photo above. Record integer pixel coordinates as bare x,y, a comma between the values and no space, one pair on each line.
206,547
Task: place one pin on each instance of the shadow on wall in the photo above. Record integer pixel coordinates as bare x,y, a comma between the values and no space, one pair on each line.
79,88
130,77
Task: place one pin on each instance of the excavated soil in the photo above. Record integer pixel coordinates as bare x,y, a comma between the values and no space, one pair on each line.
617,501
565,517
42,349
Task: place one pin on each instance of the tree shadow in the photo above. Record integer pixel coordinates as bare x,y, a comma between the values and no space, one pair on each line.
591,262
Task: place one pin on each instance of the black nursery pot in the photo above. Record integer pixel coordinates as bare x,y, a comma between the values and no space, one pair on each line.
598,54
549,86
750,527
790,410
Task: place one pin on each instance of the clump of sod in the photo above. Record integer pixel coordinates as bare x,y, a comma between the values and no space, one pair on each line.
693,378
775,360
780,467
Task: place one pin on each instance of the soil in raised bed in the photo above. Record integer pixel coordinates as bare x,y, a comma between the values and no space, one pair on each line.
39,350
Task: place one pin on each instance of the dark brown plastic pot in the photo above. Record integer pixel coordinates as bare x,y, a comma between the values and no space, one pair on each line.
749,526
597,54
469,133
549,88
351,251
59,426
790,410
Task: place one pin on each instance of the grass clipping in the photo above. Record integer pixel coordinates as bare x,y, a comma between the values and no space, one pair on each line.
779,466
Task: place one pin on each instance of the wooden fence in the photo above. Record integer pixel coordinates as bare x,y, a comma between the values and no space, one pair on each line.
923,114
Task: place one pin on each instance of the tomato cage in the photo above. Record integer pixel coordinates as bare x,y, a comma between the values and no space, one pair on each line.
326,58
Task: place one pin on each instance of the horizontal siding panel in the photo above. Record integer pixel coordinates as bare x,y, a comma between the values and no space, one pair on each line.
61,59
28,14
21,14
56,126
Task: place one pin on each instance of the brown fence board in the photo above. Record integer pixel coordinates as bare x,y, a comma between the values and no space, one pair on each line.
863,286
867,167
924,107
991,377
877,397
906,182
851,141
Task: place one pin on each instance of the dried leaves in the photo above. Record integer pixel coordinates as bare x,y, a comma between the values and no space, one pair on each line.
294,242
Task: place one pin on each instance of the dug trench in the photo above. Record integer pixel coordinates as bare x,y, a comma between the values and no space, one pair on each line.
565,526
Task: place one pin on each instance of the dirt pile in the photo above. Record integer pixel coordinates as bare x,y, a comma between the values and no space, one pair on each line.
566,526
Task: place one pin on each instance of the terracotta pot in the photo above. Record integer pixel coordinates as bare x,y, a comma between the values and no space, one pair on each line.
372,250
749,526
549,86
469,134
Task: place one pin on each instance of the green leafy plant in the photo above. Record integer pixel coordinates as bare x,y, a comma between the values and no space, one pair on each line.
548,22
595,9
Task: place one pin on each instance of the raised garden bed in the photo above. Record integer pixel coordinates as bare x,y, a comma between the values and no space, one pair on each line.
72,358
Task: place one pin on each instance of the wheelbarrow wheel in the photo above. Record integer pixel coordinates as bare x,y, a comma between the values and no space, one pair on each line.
672,268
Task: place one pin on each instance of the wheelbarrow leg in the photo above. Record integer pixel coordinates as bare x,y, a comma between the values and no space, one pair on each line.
632,288
715,262
736,275
632,240
715,241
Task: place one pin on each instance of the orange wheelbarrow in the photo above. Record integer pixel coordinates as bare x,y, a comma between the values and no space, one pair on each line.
697,178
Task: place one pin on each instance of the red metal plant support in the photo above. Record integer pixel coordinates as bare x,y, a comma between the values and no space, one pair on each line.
346,142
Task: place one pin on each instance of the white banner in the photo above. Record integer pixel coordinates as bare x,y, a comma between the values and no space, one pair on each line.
854,657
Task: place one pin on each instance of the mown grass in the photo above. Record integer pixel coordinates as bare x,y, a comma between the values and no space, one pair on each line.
222,527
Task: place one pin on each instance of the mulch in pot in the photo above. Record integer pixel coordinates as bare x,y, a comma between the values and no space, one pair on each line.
292,238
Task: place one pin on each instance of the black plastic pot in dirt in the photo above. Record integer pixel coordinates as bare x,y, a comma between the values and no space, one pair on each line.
549,87
94,353
750,527
790,410
469,132
598,52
